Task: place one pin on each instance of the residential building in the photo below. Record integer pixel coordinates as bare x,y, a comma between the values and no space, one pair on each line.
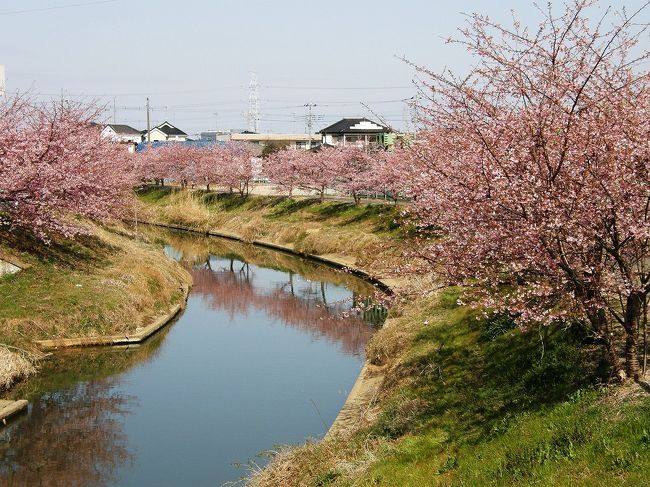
121,133
291,141
359,132
165,132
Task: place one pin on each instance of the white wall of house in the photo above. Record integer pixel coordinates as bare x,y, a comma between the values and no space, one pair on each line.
350,140
108,132
156,135
177,138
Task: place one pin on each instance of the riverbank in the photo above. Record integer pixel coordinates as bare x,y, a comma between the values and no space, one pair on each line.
457,399
362,236
102,284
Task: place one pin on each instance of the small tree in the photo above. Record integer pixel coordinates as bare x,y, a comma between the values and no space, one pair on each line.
321,170
283,168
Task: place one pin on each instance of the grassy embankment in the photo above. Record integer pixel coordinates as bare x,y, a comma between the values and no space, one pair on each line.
102,283
362,235
464,400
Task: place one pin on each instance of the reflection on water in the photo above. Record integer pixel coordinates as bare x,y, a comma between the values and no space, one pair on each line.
265,353
71,437
313,307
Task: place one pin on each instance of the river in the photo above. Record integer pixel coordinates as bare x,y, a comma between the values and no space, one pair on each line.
264,354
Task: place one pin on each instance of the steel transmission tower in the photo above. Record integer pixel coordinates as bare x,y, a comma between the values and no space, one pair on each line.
253,105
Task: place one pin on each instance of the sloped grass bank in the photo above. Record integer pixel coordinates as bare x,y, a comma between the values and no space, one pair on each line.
100,284
365,232
469,401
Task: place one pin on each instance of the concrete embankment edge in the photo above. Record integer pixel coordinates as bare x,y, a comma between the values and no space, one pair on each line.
10,408
366,387
113,340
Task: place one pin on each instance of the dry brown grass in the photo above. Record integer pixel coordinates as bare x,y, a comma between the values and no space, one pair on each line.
324,461
149,281
15,366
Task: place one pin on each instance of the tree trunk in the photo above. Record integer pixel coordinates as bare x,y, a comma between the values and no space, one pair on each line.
645,335
600,325
322,196
617,367
631,325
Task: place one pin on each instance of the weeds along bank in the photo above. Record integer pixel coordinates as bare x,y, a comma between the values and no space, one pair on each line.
462,400
102,283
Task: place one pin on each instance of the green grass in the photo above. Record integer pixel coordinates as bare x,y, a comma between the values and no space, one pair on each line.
61,280
98,284
489,405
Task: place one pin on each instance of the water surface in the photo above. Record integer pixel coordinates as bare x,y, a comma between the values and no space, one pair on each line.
265,354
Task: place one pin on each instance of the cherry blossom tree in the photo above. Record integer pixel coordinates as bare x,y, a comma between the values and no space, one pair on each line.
54,165
283,168
356,176
321,170
236,169
209,160
393,173
533,173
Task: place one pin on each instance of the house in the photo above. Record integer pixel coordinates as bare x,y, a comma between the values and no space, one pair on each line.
354,132
165,132
121,133
292,141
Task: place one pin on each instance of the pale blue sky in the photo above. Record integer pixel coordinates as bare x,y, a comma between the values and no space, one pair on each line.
194,57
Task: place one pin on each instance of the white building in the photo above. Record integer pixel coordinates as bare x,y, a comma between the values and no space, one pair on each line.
292,141
165,132
122,133
359,132
216,136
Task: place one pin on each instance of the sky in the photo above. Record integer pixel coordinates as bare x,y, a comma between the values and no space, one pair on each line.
194,58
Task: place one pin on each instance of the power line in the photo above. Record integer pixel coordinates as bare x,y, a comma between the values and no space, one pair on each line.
57,7
410,87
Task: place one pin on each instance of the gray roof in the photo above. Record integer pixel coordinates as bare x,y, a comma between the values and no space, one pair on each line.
168,129
123,129
345,126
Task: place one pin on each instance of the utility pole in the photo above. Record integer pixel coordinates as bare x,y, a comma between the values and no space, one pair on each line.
148,124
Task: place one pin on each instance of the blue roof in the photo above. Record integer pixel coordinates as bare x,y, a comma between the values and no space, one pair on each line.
193,143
